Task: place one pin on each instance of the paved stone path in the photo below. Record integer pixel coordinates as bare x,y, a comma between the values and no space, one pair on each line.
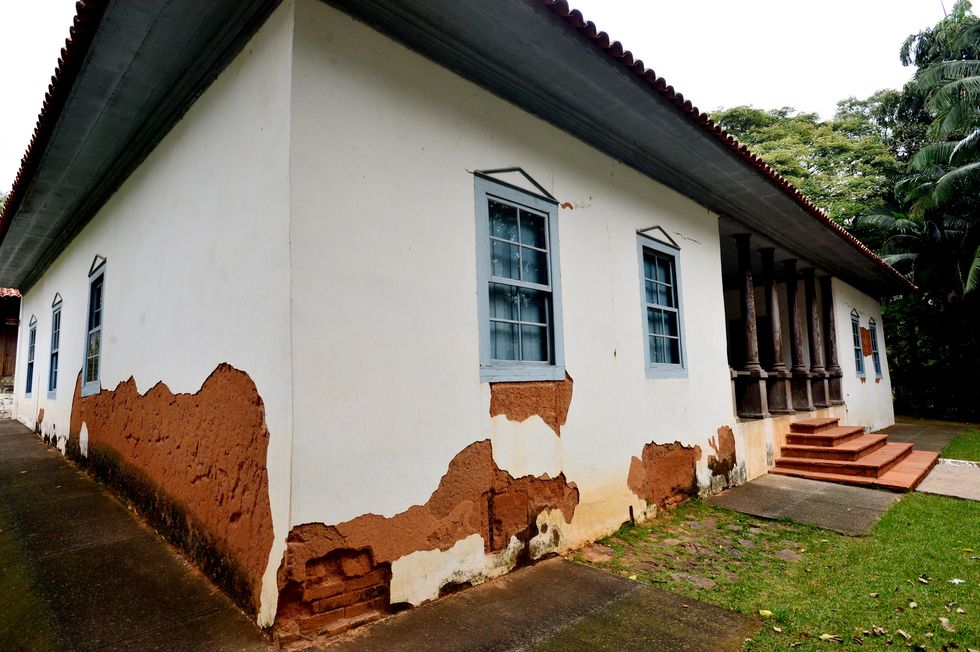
924,435
837,507
957,480
79,572
556,605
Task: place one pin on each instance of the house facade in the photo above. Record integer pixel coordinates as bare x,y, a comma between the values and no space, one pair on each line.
369,317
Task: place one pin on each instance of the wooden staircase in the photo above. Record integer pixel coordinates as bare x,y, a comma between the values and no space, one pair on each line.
820,449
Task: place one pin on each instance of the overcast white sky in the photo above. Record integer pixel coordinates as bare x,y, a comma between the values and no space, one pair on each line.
769,53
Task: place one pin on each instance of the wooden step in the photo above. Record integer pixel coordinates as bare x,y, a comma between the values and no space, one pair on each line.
828,437
871,465
907,474
813,425
848,450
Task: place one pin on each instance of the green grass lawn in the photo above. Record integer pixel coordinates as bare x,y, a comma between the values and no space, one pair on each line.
817,582
964,447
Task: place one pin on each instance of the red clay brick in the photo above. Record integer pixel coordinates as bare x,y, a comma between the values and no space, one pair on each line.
356,565
324,590
371,579
320,621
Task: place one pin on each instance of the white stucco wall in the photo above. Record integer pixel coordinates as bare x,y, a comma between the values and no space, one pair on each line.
197,250
386,352
869,401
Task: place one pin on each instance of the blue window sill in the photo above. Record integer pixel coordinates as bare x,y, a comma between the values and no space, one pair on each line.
654,373
91,389
520,374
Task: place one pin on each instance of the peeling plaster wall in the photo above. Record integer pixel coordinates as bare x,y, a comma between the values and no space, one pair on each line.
198,266
869,403
385,331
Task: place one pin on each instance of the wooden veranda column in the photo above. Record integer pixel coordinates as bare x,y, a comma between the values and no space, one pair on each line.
802,399
834,373
750,381
818,375
778,384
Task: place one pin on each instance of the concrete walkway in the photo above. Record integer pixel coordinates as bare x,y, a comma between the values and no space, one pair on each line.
79,572
954,479
556,605
924,435
837,507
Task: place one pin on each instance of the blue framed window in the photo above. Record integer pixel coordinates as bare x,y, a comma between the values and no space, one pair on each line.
92,365
31,345
856,334
518,284
55,345
875,356
663,318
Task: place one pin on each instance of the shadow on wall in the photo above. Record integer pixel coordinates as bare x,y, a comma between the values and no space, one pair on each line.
193,465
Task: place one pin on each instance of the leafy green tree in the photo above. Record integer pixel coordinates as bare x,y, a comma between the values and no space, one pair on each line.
841,164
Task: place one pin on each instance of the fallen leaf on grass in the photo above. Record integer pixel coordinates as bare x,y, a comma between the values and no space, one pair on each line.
765,613
913,604
778,630
923,580
858,640
874,595
957,580
632,577
831,637
960,610
879,631
904,634
929,634
945,623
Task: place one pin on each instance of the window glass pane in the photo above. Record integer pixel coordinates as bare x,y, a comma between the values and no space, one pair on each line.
504,302
674,351
94,343
670,323
95,304
503,341
663,270
534,343
651,291
503,221
535,266
649,266
655,321
534,306
658,353
505,260
532,230
665,296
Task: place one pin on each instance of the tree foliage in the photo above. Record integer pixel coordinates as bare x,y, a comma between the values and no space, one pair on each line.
841,164
901,169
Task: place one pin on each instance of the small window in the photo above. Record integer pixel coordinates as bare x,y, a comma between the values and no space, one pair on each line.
55,345
31,345
856,333
92,366
875,357
519,296
663,322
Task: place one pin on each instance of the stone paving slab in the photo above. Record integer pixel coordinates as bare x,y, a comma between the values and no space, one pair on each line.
956,480
923,435
841,508
78,571
555,605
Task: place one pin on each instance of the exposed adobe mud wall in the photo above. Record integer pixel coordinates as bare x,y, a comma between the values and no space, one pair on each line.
666,474
194,465
723,460
332,574
549,399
